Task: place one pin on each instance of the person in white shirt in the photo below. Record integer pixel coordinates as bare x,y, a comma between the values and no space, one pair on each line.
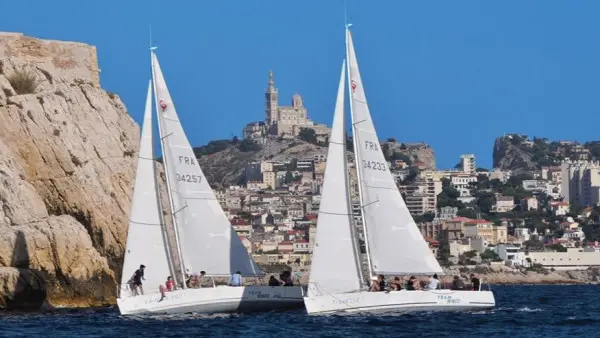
433,282
236,279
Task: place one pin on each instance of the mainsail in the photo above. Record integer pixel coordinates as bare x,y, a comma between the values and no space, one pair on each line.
395,244
146,237
208,241
335,267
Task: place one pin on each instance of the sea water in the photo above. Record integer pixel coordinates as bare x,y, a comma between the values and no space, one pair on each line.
521,311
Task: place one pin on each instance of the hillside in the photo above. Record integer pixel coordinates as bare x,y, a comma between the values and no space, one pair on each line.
223,161
520,153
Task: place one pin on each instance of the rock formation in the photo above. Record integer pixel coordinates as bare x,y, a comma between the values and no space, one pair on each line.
510,153
67,150
414,151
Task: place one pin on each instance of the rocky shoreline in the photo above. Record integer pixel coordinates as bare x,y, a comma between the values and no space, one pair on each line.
510,276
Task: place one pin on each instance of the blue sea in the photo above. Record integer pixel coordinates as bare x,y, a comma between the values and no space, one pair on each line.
521,311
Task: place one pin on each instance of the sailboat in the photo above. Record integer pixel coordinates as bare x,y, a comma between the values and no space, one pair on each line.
393,243
204,238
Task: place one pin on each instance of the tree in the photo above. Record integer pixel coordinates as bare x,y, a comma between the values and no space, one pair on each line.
248,145
468,213
235,140
489,255
308,135
413,172
391,140
533,243
466,258
443,253
289,177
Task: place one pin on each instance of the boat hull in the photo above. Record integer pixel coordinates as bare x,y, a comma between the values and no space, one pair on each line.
220,299
400,301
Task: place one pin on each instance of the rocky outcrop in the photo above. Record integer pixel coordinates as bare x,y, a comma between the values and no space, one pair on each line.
67,166
414,151
512,153
504,275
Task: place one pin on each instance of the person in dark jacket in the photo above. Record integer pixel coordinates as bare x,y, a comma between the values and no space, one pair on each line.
475,283
458,284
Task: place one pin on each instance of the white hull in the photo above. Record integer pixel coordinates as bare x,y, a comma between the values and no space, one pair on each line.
220,299
400,301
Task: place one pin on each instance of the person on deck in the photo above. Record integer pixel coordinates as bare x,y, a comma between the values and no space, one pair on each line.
434,283
457,284
170,284
396,285
286,278
412,284
274,282
378,284
236,279
475,283
136,279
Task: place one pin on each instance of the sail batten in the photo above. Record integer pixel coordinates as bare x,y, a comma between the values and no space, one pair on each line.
146,240
335,266
395,244
208,241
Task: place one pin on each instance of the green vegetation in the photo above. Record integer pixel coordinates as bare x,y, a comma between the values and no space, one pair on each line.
248,145
308,135
212,147
23,82
490,255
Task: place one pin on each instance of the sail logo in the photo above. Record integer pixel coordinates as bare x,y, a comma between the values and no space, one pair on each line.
163,105
353,85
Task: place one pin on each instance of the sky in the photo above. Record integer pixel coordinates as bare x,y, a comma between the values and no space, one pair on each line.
453,74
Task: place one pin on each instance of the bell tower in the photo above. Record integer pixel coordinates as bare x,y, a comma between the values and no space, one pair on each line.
271,113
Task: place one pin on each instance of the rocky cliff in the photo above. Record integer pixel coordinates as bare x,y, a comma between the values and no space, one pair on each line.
411,152
520,153
67,166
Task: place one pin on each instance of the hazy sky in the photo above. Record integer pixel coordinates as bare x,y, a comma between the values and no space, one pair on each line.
455,74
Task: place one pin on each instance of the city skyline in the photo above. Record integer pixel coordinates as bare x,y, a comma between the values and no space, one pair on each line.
469,71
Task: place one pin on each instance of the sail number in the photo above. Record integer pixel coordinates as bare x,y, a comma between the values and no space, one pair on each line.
189,178
374,165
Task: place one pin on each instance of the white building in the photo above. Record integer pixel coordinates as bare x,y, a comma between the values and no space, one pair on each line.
467,163
573,259
581,182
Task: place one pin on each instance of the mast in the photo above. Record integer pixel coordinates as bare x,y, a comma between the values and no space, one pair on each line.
355,244
358,175
166,167
161,216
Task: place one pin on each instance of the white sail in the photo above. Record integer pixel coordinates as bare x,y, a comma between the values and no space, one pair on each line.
145,239
334,267
208,241
396,246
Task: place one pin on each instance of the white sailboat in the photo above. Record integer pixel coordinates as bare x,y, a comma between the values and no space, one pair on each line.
204,237
394,245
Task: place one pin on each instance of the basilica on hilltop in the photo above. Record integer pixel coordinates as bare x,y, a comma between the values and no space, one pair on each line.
283,121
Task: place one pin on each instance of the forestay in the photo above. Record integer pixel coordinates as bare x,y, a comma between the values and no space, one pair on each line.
396,245
334,267
208,241
146,236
